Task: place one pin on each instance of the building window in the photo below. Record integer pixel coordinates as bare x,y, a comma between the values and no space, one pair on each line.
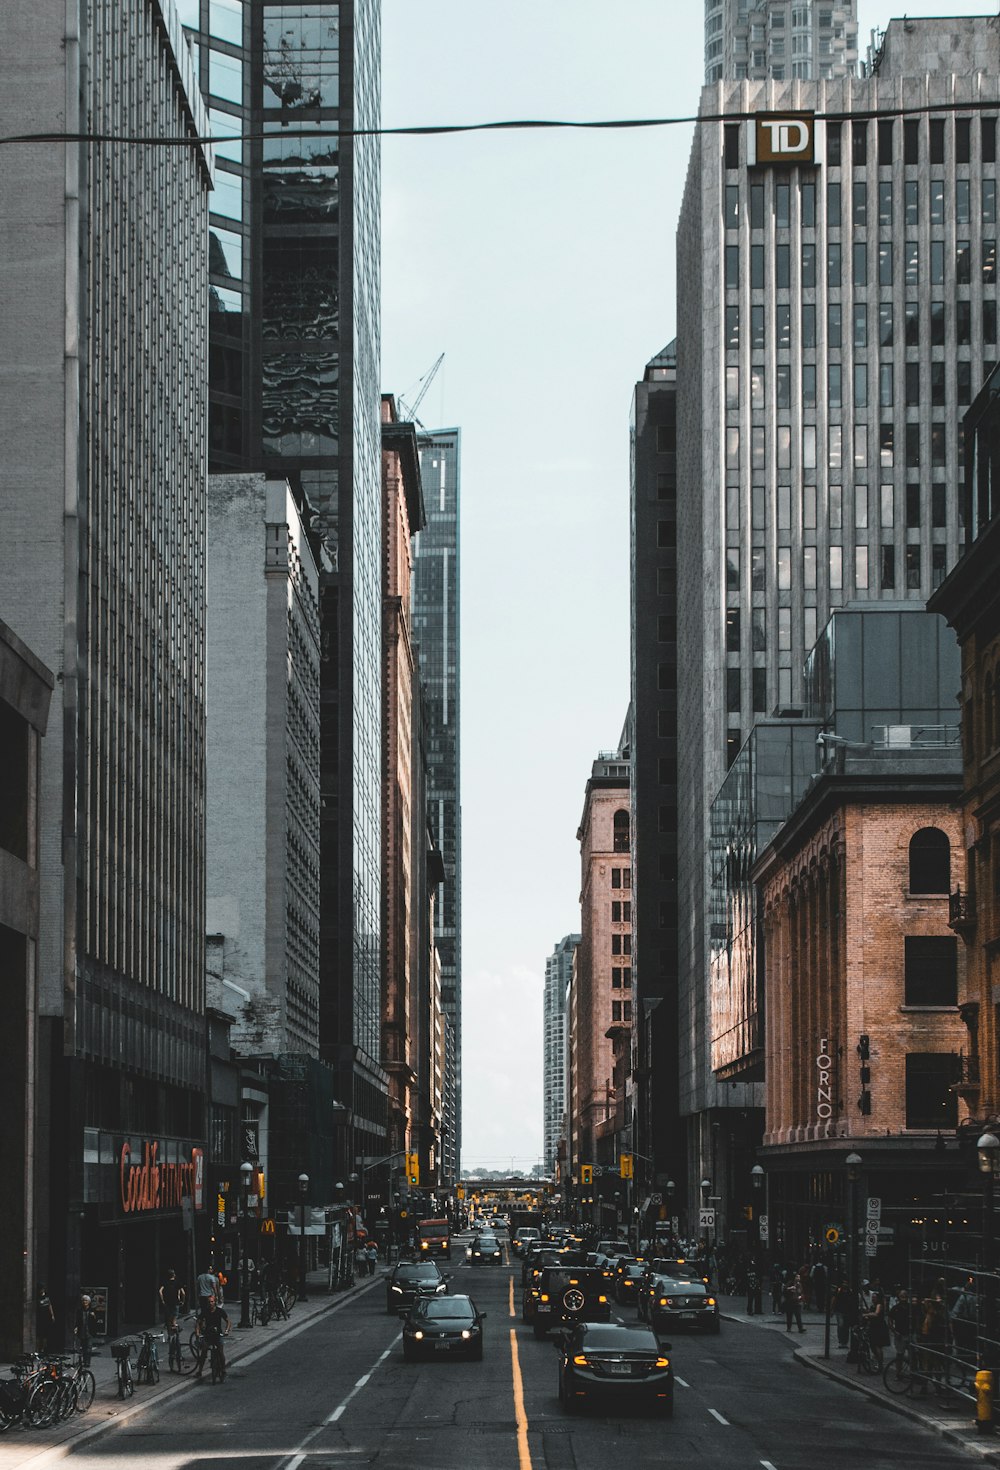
616,1010
616,944
616,978
930,861
930,1077
930,970
888,568
616,911
616,877
732,630
621,834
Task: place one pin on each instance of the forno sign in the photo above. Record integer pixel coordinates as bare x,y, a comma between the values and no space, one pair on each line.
783,139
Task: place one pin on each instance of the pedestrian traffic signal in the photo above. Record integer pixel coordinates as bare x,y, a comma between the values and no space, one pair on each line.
413,1168
586,1173
625,1166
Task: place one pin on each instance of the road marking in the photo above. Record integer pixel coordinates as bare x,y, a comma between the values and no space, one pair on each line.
683,1382
767,1465
523,1453
512,1296
296,1459
362,1381
716,1415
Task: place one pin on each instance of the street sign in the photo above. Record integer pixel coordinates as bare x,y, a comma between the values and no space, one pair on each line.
706,1219
656,1199
874,1210
762,1229
871,1245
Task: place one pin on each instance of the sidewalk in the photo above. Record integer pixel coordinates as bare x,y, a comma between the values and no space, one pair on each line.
38,1447
954,1419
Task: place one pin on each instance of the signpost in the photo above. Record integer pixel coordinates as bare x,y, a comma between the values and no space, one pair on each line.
762,1229
706,1219
873,1219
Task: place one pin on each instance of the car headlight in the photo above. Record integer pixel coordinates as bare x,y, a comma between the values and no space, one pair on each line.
418,1335
466,1333
399,1289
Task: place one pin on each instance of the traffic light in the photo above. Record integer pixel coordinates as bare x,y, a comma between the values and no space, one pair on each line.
413,1168
586,1173
625,1166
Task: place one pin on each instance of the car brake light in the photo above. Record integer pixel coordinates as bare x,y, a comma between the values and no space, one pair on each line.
602,1298
665,1301
711,1301
545,1296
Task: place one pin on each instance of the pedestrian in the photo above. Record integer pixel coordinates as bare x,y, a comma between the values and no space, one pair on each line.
776,1277
172,1296
805,1284
878,1326
372,1253
817,1277
840,1306
361,1259
901,1322
45,1320
83,1326
791,1299
207,1286
753,1289
212,1326
963,1315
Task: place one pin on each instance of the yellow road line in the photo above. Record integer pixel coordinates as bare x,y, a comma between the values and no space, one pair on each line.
512,1296
523,1453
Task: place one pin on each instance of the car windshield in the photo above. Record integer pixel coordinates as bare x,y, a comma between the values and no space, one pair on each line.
679,1284
454,1308
607,1336
418,1273
487,1241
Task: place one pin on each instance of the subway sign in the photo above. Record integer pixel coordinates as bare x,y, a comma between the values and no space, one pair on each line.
781,139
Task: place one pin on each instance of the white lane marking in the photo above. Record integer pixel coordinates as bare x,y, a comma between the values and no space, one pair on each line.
294,1465
682,1381
362,1381
716,1415
298,1456
767,1465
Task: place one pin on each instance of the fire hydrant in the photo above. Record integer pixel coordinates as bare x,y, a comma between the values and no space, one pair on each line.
984,1401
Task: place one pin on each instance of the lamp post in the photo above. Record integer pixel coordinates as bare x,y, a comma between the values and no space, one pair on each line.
670,1190
706,1189
853,1163
246,1170
757,1182
303,1191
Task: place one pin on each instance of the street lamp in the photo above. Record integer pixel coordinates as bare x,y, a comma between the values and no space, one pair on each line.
246,1170
853,1163
987,1150
303,1191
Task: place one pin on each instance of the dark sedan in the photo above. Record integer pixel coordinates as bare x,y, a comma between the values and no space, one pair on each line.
603,1362
440,1326
410,1280
628,1283
674,1304
484,1248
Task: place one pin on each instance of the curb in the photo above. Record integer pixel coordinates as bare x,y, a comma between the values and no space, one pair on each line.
242,1351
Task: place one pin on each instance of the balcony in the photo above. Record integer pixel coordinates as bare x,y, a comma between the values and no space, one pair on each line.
967,1085
962,912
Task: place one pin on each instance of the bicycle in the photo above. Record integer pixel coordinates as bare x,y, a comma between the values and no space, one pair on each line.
176,1362
148,1362
865,1355
121,1351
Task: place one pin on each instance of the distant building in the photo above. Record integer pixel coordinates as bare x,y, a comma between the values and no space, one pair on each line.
558,976
437,634
753,40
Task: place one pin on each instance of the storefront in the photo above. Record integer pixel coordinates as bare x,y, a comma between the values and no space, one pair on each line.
144,1211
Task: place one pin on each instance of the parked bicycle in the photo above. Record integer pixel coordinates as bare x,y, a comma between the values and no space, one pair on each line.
176,1361
862,1352
45,1390
121,1351
148,1363
918,1369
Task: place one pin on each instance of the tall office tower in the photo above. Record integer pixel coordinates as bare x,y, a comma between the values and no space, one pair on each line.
436,628
753,40
654,764
558,974
294,391
262,817
103,351
836,317
602,983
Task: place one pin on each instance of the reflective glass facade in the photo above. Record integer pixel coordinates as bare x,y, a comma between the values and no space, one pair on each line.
436,611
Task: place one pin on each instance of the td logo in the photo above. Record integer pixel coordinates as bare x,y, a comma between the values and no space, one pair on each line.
784,137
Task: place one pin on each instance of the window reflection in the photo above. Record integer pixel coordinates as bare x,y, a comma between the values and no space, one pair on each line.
225,253
225,76
225,20
300,289
301,57
227,198
300,403
225,125
301,177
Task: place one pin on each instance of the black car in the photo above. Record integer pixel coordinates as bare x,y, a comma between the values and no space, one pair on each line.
410,1280
568,1295
534,1258
605,1362
444,1325
484,1248
627,1283
672,1304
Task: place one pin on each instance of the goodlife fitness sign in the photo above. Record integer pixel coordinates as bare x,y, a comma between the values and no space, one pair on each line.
781,140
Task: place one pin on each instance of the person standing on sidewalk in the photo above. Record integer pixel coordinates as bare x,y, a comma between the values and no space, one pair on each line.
82,1327
777,1277
901,1322
207,1286
791,1298
840,1305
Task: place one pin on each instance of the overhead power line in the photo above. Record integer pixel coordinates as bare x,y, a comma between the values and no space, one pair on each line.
510,125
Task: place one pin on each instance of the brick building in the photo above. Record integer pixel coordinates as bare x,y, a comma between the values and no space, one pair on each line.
864,1037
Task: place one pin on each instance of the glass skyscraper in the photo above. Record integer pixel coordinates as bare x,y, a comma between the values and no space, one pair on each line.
436,605
294,390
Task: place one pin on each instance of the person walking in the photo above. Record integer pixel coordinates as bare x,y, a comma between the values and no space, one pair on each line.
817,1276
840,1307
791,1299
877,1325
207,1286
754,1306
172,1297
934,1335
83,1326
371,1253
45,1320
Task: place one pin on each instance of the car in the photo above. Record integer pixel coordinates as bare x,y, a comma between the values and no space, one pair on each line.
680,1303
611,1248
522,1238
440,1325
567,1295
605,1362
622,1264
412,1279
677,1268
627,1283
535,1257
484,1248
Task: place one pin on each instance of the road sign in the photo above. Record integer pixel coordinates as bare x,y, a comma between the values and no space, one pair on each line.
706,1219
831,1235
762,1229
874,1210
656,1199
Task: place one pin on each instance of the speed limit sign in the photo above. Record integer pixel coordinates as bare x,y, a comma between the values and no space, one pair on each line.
706,1219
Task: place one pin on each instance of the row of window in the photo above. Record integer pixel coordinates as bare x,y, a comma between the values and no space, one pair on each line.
621,944
809,270
621,1010
882,211
835,435
621,977
849,144
834,392
860,317
911,568
621,913
914,502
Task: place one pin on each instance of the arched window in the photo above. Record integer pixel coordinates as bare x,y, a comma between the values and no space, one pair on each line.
621,832
930,861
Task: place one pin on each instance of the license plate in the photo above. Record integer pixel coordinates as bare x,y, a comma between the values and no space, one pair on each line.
442,1347
621,1368
687,1316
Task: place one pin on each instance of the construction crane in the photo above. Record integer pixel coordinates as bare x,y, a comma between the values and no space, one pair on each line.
409,410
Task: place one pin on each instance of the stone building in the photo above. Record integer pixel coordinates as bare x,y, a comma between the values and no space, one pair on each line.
780,39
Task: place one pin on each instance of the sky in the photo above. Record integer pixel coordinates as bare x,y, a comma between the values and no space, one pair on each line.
542,265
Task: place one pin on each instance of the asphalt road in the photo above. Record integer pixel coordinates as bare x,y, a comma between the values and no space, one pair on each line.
336,1392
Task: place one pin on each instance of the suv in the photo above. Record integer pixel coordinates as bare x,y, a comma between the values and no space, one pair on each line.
409,1280
522,1238
568,1295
